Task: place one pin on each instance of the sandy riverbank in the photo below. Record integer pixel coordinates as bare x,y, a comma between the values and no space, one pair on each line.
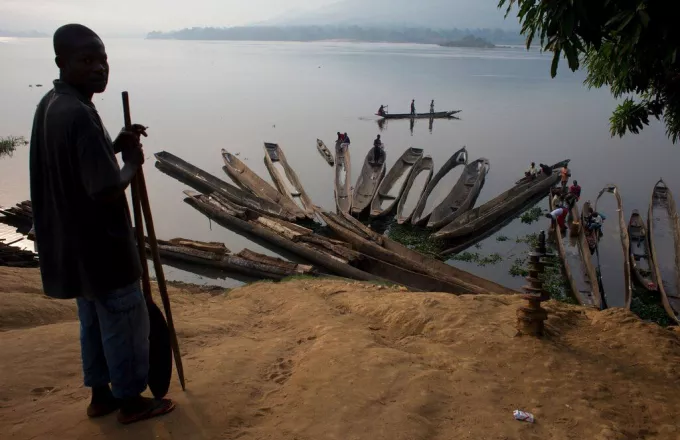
333,359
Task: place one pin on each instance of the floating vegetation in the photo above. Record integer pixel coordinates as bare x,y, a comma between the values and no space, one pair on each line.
648,307
530,239
416,238
531,215
10,143
502,238
554,281
475,257
518,268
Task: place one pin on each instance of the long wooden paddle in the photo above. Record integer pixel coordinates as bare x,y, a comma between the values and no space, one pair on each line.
140,202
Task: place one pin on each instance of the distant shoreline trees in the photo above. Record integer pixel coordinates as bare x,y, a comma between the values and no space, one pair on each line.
349,33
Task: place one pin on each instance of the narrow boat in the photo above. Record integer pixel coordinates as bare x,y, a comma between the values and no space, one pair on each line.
368,242
585,252
662,223
343,183
462,196
578,279
247,179
285,178
557,166
246,262
615,293
412,194
640,258
367,184
325,152
420,216
392,186
478,220
436,115
180,169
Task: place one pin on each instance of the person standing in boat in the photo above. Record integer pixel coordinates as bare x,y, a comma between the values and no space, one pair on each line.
413,107
345,140
575,189
565,173
432,107
85,242
377,147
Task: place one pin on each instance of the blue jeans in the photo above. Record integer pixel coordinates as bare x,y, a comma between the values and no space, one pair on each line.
114,340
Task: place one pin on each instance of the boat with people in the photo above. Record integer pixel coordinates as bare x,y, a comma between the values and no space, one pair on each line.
436,115
369,179
412,194
539,170
392,186
664,240
285,178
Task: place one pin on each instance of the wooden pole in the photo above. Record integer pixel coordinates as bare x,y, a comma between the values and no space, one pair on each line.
139,187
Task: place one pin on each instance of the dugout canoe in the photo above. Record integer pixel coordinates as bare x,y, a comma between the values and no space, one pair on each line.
181,169
325,152
640,257
425,165
436,115
611,298
663,206
367,184
556,166
370,243
246,262
285,178
462,196
478,220
420,217
343,183
392,186
585,253
247,179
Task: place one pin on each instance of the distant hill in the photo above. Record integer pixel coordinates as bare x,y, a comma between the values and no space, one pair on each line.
25,34
470,41
444,14
393,34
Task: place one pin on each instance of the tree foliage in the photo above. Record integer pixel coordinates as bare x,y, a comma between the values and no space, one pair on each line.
631,46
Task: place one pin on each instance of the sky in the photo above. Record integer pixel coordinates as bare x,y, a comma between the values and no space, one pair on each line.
122,17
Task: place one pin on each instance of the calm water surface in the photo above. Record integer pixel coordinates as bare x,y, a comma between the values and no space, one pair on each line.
198,97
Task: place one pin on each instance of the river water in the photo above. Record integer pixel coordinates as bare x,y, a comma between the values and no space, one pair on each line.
198,97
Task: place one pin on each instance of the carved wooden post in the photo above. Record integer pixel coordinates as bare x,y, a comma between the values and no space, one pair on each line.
530,318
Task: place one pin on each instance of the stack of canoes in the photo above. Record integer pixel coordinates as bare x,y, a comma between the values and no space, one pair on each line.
20,214
15,257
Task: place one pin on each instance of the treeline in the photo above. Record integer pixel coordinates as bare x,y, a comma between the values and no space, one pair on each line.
353,33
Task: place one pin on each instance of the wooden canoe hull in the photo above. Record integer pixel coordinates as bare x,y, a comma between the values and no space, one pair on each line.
460,157
179,168
586,257
663,197
403,166
325,152
625,243
436,115
368,181
462,196
556,166
247,179
343,176
288,181
478,220
637,232
424,165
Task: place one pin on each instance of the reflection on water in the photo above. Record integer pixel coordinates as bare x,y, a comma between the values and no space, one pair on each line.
383,123
611,253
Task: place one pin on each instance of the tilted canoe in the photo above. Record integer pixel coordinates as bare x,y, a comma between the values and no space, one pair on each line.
343,183
179,168
663,204
285,178
436,115
613,298
586,255
420,217
557,166
254,224
392,186
384,248
640,258
325,152
462,196
367,184
247,179
572,268
424,165
478,220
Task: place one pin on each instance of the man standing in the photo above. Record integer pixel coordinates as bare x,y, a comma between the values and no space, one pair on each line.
413,107
432,107
84,237
377,146
565,173
575,190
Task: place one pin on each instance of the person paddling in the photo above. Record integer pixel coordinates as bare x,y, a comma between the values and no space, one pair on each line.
84,238
381,110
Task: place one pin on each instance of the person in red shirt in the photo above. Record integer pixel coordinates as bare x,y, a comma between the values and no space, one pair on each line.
575,189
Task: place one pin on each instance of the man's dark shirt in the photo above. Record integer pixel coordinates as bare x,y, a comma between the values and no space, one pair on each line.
377,143
85,245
